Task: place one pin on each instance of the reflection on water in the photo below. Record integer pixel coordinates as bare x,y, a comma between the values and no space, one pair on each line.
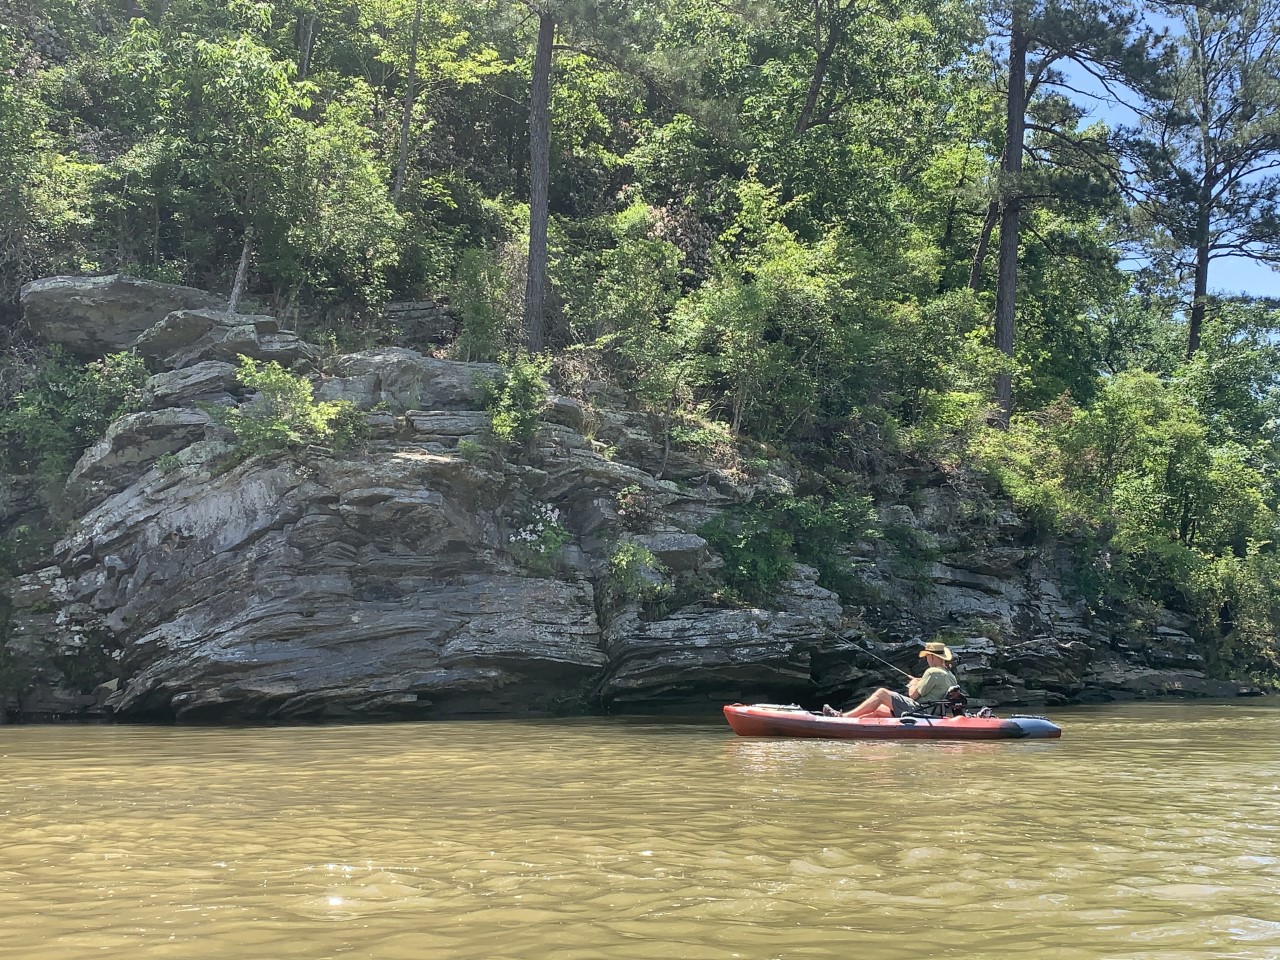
1149,832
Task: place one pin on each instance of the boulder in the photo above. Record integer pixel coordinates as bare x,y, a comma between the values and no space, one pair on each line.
676,551
189,337
130,447
567,412
1126,681
444,424
406,380
92,316
698,655
208,382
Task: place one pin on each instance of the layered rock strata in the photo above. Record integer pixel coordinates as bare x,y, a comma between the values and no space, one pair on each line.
388,582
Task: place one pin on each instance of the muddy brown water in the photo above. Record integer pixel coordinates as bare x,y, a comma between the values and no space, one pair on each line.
1149,832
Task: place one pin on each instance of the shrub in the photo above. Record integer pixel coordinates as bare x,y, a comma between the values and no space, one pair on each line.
761,542
636,509
516,399
168,463
285,414
60,407
757,553
1136,479
536,545
472,451
485,292
635,575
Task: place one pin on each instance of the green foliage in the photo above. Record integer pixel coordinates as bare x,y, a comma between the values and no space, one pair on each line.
621,302
1182,520
764,219
343,233
711,439
516,398
761,542
471,450
635,575
284,415
43,192
60,407
757,554
537,543
823,528
484,293
168,463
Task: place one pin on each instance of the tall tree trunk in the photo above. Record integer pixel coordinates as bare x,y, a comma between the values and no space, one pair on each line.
949,231
944,243
1011,208
535,295
984,243
835,29
1198,302
410,92
242,272
306,33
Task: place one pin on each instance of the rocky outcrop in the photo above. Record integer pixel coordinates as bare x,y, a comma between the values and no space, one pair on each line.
399,580
422,323
188,337
92,316
131,445
207,383
401,379
720,655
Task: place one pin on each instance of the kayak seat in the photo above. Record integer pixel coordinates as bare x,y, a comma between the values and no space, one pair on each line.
953,704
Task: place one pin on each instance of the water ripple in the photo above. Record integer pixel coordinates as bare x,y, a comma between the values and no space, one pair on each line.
1148,832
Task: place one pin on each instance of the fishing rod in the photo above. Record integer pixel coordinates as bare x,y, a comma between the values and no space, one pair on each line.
862,649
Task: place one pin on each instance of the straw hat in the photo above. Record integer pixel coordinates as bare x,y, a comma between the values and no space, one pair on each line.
937,650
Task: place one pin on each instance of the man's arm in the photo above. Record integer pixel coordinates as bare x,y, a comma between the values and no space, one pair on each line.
913,687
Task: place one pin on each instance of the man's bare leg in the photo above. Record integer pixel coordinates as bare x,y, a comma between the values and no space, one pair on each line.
878,705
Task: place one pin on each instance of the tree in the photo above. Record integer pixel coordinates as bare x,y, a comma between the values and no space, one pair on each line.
43,193
539,177
1208,150
1107,41
605,32
237,106
410,92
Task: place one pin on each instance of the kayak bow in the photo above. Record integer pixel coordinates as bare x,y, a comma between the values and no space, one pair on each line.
774,720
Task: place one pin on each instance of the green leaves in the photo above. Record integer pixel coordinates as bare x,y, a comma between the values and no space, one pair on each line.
761,541
1177,515
284,414
516,399
61,407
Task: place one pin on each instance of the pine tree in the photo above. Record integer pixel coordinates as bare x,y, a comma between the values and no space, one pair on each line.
1108,41
1208,151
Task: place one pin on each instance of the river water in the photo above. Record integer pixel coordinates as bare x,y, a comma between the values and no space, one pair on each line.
1149,832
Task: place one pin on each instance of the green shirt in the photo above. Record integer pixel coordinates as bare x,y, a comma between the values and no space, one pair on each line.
934,684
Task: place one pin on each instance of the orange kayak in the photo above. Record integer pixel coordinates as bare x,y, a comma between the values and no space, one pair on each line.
775,720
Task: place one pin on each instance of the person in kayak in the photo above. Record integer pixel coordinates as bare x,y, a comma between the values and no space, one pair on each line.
933,684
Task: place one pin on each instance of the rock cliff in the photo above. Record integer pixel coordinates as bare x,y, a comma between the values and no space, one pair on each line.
389,582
